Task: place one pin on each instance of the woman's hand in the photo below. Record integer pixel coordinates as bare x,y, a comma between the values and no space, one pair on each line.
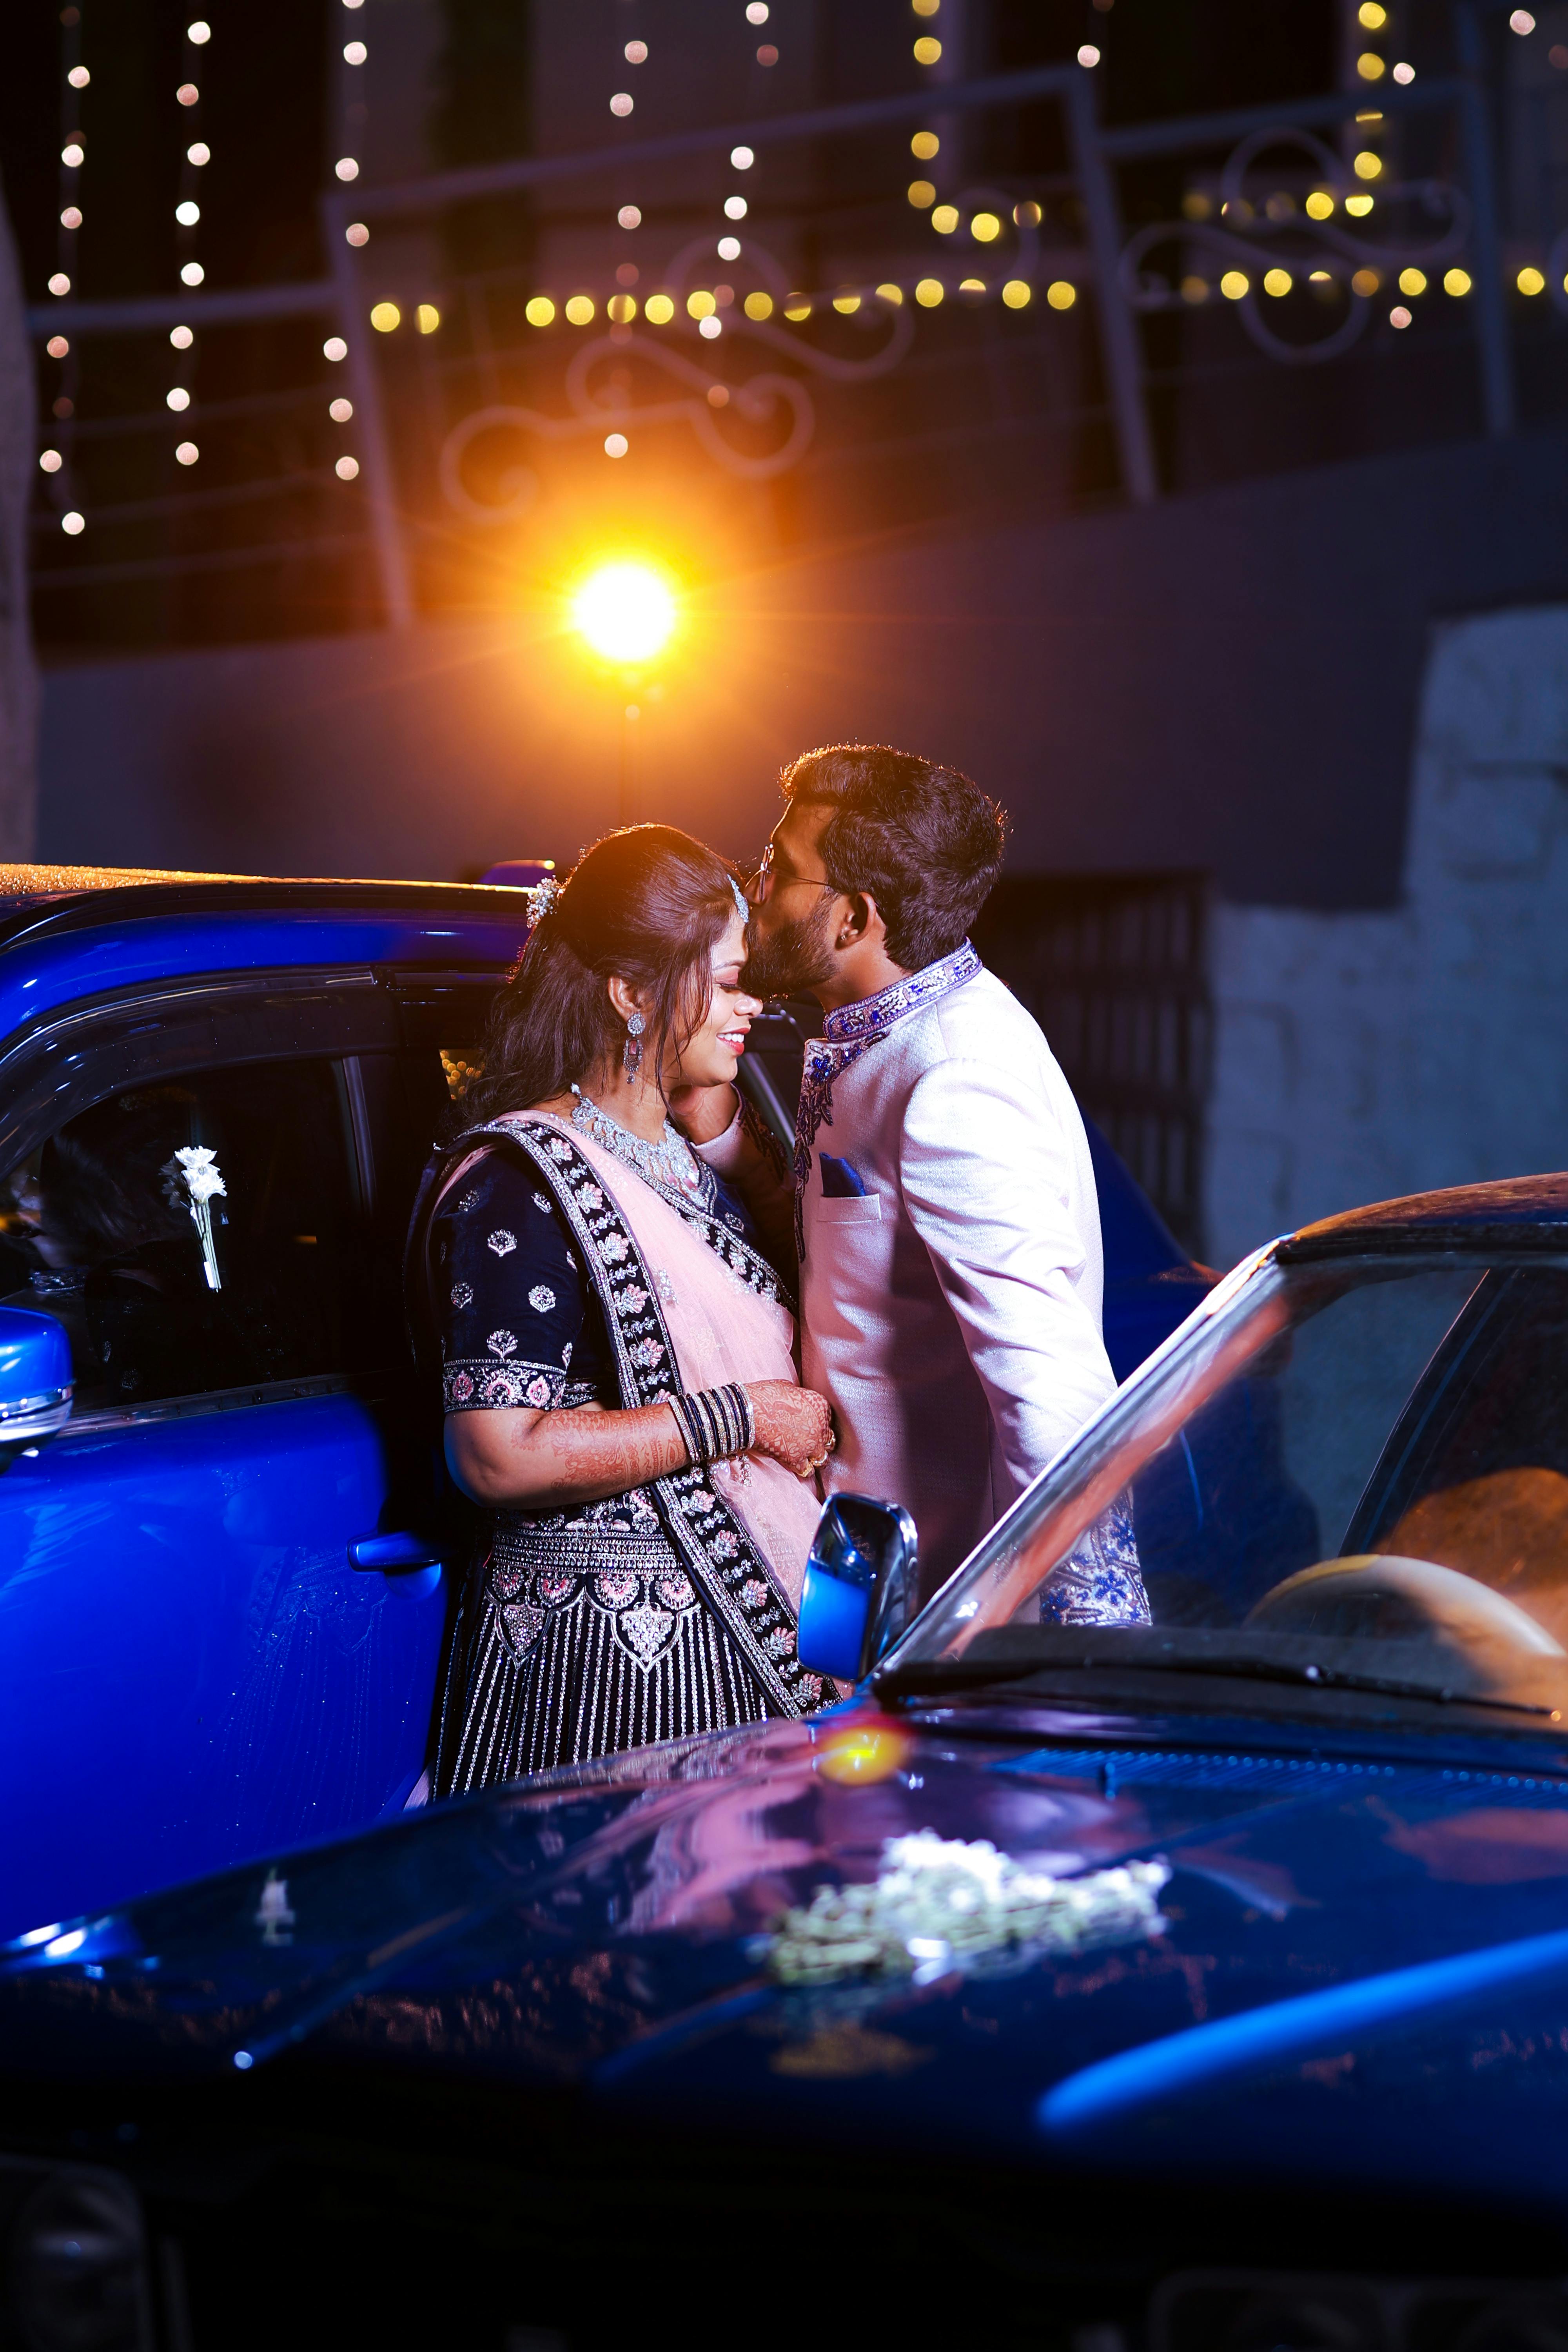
704,1113
794,1426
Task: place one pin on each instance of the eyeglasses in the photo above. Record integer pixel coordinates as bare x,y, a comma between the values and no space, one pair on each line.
760,889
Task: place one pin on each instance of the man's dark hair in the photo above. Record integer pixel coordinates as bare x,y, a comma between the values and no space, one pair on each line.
919,837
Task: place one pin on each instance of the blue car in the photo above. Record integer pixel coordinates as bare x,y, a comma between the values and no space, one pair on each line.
224,1559
1200,1986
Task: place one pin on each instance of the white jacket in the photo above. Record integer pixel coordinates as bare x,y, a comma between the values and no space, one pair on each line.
951,1312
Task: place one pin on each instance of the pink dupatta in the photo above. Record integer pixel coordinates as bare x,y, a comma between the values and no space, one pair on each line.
721,1330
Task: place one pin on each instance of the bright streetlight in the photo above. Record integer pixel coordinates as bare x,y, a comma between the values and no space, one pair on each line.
625,612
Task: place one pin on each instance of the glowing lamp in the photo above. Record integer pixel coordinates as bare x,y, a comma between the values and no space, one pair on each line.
625,611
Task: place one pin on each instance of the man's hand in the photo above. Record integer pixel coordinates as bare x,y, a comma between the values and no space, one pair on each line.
702,1113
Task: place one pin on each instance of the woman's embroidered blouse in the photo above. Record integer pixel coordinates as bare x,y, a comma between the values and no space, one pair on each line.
518,1322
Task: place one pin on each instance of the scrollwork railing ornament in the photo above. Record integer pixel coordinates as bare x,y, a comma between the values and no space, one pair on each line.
597,406
1249,238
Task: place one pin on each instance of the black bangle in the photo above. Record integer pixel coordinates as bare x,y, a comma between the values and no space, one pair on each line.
715,1422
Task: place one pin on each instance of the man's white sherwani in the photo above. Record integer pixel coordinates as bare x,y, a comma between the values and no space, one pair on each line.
951,1309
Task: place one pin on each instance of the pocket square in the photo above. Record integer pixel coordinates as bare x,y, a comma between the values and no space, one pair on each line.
840,1182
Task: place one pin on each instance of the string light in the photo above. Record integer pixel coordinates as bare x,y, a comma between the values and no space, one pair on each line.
50,460
73,523
729,248
177,398
346,168
622,103
616,445
629,217
1016,294
198,154
636,53
186,453
385,318
334,349
354,53
1088,55
347,469
356,233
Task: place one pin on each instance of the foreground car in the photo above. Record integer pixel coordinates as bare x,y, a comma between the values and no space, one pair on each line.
1200,1985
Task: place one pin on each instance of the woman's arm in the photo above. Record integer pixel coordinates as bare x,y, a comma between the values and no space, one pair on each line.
512,1458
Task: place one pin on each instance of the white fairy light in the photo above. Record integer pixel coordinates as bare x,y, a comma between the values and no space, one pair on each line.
636,53
177,398
186,453
708,327
50,460
199,153
729,248
192,274
742,158
198,34
79,77
1088,55
346,468
757,12
334,349
346,168
616,445
629,217
72,524
187,213
73,154
734,207
56,347
59,283
187,94
340,411
70,217
181,338
356,232
621,103
354,53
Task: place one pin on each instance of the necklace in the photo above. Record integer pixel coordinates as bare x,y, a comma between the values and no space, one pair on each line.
668,1162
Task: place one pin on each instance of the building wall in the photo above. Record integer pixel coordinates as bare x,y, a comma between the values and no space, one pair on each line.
1361,1055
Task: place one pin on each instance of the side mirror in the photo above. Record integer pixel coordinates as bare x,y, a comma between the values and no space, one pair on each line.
859,1586
34,1380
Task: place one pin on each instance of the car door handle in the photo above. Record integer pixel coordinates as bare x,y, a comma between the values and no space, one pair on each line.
393,1555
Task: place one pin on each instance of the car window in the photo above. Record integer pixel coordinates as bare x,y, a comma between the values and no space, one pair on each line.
206,1233
1358,1466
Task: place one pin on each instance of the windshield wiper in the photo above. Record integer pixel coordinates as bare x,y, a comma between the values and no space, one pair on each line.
959,1673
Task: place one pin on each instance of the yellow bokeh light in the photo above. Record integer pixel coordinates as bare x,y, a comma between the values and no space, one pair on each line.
580,310
1194,289
1372,15
426,317
1016,294
1277,281
539,310
984,227
971,284
758,305
929,292
847,299
1457,282
1359,206
658,310
944,220
922,192
622,308
924,145
701,305
1233,285
1061,295
1412,281
385,318
1320,205
1366,282
626,611
1370,66
889,293
926,8
927,51
799,306
1368,164
1530,281
1026,215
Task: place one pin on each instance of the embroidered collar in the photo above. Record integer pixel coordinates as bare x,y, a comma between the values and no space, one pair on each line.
873,1016
846,1034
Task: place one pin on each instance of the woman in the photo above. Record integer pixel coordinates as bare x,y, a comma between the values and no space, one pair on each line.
620,1391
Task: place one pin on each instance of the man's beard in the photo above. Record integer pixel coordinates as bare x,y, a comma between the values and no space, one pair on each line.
792,958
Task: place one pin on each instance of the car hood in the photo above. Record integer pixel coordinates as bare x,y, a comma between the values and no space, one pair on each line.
1358,1966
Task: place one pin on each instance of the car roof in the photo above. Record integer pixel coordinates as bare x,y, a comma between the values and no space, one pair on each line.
1513,1213
67,895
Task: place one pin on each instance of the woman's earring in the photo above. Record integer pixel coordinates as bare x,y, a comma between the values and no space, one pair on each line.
631,1052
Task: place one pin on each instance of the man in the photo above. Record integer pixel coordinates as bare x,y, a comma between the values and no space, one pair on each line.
947,1213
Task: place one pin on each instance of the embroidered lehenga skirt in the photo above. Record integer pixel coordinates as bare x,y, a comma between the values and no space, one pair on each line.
580,1636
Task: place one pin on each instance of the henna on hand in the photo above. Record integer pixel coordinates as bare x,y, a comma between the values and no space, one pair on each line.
511,1458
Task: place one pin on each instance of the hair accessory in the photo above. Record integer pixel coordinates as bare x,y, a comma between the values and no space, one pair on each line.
742,904
716,1422
631,1052
541,897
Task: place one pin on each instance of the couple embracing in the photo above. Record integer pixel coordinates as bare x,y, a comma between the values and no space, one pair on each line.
609,1255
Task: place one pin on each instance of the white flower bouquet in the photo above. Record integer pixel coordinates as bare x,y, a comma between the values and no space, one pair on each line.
192,1176
937,1903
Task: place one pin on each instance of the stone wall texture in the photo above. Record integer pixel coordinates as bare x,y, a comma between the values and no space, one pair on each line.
1358,1056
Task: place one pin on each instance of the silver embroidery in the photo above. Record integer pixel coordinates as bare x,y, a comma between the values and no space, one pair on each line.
501,1242
541,1202
461,1294
542,1298
503,1344
666,1286
470,1199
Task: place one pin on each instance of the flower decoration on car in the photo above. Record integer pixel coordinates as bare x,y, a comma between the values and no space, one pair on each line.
192,1179
937,1904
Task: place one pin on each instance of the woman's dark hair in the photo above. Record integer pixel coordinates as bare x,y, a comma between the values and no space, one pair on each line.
919,837
647,902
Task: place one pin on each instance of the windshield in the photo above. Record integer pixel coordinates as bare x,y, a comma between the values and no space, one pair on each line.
1352,1472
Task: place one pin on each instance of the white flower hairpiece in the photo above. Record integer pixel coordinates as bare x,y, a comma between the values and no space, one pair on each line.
742,904
540,897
